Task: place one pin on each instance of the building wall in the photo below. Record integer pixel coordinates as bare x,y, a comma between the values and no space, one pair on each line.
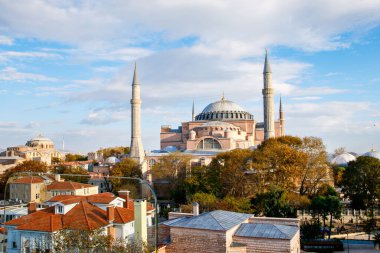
28,192
196,240
264,245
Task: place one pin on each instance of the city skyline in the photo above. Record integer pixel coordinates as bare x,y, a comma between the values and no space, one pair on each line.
66,69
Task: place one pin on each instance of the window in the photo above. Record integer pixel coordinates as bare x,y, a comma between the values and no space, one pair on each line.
60,209
208,143
37,195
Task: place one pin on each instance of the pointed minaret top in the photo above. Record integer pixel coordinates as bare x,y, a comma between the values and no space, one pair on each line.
267,68
193,113
135,79
280,103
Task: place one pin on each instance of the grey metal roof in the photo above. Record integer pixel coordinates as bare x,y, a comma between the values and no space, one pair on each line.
263,230
215,220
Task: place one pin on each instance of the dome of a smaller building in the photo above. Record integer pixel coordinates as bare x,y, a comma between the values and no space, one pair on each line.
372,153
40,142
170,149
112,160
343,159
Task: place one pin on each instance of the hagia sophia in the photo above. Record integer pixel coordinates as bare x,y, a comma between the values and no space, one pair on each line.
221,126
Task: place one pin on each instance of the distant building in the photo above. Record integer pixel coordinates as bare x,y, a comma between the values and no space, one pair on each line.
39,148
40,188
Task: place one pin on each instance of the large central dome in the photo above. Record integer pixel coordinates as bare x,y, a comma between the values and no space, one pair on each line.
223,110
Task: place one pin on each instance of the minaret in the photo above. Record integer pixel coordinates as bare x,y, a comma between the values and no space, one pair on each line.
268,100
137,151
282,120
193,113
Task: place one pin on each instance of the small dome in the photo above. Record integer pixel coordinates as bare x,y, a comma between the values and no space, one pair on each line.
170,149
41,142
343,159
373,153
112,160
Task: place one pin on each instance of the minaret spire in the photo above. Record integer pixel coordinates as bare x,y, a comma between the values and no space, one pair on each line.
268,100
282,120
137,150
193,113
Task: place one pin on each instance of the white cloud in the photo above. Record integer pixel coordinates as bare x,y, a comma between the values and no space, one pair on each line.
4,40
12,74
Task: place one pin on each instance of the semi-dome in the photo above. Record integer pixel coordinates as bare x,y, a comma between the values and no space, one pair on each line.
343,159
223,110
373,153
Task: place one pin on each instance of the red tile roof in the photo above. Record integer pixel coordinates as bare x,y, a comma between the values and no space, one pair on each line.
29,180
100,198
68,185
83,216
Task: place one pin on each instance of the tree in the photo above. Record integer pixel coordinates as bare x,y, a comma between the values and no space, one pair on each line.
75,157
226,174
126,168
72,170
273,204
339,151
326,203
114,151
278,162
207,201
26,166
361,182
173,168
316,170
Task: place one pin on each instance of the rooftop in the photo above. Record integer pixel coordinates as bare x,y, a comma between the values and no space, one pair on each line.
262,230
215,220
67,185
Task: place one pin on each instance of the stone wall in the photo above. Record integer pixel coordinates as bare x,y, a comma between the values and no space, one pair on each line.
264,245
196,240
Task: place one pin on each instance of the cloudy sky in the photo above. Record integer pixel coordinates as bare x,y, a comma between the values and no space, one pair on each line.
66,67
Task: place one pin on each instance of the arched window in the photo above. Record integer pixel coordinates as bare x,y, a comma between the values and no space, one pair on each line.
208,143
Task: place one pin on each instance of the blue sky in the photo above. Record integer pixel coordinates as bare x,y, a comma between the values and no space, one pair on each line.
66,67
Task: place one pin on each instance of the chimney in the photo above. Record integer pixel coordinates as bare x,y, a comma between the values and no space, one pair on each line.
124,194
195,209
110,213
57,177
32,207
140,226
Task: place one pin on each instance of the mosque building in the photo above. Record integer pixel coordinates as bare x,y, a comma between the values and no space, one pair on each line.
221,126
39,148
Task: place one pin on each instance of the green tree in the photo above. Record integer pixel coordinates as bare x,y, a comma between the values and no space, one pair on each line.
174,169
361,182
273,203
126,168
207,201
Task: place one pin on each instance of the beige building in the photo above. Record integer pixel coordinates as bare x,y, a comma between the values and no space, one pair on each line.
41,188
39,148
29,189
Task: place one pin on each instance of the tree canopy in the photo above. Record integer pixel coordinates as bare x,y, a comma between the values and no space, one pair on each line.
361,182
